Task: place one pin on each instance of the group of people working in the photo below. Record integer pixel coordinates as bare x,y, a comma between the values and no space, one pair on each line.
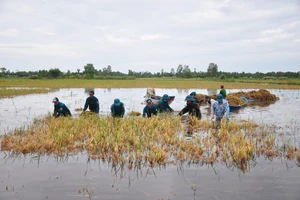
219,107
92,103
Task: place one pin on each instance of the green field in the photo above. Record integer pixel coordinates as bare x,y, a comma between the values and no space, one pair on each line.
153,82
24,91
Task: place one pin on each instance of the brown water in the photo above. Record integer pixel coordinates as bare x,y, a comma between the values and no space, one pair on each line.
50,178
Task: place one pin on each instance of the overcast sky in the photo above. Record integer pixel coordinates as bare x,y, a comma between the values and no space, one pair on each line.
150,35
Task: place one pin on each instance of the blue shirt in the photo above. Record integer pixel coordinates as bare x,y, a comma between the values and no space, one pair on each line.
149,111
61,109
219,110
163,106
117,110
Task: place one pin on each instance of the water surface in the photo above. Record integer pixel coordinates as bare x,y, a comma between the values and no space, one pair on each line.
50,178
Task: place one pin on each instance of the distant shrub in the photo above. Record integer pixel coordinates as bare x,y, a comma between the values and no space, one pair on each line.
222,77
115,77
282,78
269,78
34,77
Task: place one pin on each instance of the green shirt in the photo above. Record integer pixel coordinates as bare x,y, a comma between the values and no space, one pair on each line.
223,93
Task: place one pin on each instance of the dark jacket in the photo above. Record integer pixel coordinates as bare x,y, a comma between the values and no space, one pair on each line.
61,109
163,106
93,104
193,110
117,111
198,101
149,111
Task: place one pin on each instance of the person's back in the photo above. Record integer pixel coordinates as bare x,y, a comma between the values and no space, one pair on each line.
117,108
163,105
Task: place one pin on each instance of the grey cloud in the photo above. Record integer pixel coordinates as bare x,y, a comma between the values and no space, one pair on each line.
136,34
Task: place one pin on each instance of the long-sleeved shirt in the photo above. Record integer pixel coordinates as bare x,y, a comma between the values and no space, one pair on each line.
61,109
220,109
163,106
193,110
197,100
117,111
93,104
149,110
211,102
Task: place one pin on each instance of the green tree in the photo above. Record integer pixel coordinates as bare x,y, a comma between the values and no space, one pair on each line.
187,72
172,71
54,73
162,72
212,70
89,71
179,70
130,72
109,70
3,70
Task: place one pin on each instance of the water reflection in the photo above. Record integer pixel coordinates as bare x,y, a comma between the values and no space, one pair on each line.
183,91
68,178
87,90
211,92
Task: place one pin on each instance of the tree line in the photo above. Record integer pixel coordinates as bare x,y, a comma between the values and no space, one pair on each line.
182,71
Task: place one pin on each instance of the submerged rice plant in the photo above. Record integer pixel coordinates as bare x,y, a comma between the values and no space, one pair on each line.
136,142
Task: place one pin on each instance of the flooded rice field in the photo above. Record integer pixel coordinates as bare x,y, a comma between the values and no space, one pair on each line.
76,177
21,110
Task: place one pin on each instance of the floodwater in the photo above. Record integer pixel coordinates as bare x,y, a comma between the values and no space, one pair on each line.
36,178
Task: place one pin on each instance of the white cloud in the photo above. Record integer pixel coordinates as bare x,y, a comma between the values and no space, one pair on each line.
30,49
12,32
154,37
43,31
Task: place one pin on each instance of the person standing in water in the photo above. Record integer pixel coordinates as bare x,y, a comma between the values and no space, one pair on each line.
223,91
